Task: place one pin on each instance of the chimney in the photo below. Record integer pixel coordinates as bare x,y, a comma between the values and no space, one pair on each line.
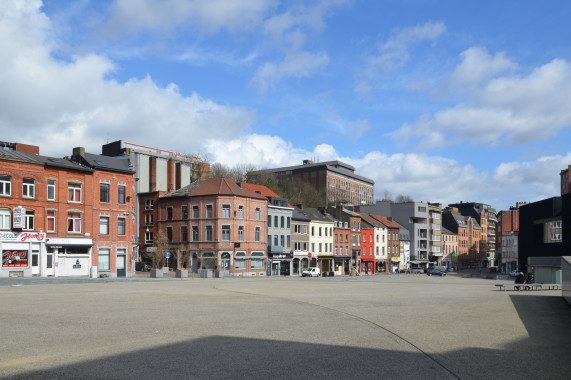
307,162
79,151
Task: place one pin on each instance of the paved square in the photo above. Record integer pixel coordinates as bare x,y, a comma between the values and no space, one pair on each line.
385,326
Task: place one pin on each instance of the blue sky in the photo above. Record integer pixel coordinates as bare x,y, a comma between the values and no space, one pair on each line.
444,101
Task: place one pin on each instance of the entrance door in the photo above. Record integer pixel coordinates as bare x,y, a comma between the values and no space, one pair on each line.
50,267
121,266
275,268
35,263
225,263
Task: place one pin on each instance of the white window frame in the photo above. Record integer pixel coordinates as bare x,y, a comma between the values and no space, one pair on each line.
50,217
5,219
225,232
103,225
28,189
121,222
5,185
74,191
226,211
73,220
102,264
52,189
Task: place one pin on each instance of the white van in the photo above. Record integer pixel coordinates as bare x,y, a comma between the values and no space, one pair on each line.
311,272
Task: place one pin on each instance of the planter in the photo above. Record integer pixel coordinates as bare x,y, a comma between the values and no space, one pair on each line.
181,273
157,273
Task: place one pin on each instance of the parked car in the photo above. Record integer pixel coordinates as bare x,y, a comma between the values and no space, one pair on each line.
418,270
142,266
311,272
435,272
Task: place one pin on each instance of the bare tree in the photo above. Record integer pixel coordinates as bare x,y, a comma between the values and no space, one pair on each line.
158,255
404,198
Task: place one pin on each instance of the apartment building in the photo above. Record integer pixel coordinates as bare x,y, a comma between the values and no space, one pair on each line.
449,248
64,218
219,224
393,242
279,249
379,243
435,254
300,241
320,240
335,181
507,231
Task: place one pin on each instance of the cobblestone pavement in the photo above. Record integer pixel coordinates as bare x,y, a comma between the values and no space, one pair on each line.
386,326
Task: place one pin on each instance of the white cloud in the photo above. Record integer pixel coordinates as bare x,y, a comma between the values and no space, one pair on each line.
512,109
209,16
60,105
396,50
298,64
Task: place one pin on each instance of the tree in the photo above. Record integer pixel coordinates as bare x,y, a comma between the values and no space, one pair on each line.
404,198
159,254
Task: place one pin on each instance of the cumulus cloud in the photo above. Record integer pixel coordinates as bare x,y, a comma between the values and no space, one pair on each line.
208,16
396,50
509,108
59,104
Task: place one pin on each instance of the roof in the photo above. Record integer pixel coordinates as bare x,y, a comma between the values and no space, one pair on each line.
298,214
368,219
49,162
385,221
215,186
332,166
100,162
314,214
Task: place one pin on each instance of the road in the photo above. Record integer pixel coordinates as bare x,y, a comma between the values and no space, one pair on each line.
386,326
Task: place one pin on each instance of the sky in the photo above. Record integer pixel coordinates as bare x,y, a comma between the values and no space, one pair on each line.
440,100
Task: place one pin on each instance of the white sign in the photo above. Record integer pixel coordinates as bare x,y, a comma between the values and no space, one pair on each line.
19,217
26,237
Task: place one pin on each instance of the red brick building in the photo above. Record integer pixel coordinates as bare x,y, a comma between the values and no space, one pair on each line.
49,219
367,248
218,224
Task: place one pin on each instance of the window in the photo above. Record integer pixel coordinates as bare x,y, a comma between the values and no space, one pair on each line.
276,221
208,233
103,262
241,212
288,241
282,225
225,211
257,213
51,221
288,222
258,231
194,233
169,213
240,260
149,218
148,236
556,224
104,192
29,220
4,219
5,185
184,210
121,226
269,220
240,233
74,222
195,212
121,195
225,232
275,239
28,187
169,234
257,260
74,192
553,236
103,225
51,189
209,211
149,204
183,233
282,240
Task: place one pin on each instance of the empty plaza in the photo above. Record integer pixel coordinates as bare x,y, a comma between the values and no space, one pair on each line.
385,326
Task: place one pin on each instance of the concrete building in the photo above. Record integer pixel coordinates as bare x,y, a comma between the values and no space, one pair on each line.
158,172
335,181
414,217
435,254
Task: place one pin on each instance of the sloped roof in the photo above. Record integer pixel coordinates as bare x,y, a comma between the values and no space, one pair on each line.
314,214
46,161
372,221
385,221
100,162
215,186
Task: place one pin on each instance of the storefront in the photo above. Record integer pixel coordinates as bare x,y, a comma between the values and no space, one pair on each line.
279,264
300,262
72,255
395,264
342,265
23,254
368,266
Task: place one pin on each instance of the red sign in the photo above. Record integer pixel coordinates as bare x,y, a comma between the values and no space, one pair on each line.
15,259
309,255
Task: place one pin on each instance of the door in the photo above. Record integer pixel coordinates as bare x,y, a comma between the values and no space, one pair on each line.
225,263
121,266
275,268
35,262
50,267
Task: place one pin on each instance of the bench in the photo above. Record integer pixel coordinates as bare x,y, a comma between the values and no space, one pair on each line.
529,286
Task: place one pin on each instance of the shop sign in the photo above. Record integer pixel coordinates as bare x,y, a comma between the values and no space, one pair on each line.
25,237
280,256
19,219
14,259
395,258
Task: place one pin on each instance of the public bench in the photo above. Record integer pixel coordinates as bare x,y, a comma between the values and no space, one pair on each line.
528,286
